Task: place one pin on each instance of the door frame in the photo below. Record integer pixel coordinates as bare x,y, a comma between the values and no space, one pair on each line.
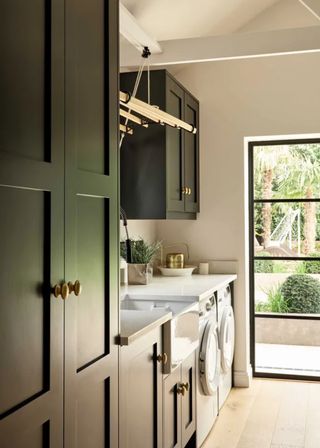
252,258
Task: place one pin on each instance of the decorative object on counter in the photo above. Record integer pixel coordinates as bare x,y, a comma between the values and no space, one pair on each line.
203,268
175,266
140,269
139,274
175,260
123,271
177,272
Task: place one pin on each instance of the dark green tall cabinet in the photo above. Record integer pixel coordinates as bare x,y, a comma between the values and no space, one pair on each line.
160,165
59,223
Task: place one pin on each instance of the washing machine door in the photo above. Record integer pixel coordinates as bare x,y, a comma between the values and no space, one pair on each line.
209,359
226,338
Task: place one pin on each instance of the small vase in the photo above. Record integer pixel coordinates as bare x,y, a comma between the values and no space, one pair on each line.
139,274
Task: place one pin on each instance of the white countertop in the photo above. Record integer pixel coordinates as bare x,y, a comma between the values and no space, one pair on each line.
198,286
135,324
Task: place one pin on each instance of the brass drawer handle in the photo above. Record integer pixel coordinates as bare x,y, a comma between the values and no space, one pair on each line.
162,358
61,290
75,287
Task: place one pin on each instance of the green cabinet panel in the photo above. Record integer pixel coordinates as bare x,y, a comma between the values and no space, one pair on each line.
160,164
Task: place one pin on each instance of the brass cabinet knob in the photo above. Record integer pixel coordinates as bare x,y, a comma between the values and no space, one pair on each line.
75,287
61,290
162,358
189,191
180,390
184,190
185,386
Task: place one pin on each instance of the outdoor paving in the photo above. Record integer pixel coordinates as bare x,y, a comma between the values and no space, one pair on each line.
288,359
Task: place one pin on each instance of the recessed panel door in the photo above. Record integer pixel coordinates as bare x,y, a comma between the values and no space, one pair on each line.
191,154
92,221
188,400
31,223
175,151
172,410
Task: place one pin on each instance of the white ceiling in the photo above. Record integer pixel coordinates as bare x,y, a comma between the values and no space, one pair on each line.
178,19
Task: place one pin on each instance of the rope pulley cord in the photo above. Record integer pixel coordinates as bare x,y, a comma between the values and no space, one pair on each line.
135,89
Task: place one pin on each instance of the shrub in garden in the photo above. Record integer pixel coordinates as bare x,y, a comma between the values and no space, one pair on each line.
301,294
263,266
312,266
275,302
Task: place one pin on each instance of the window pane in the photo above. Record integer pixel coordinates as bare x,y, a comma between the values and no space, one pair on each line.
287,171
287,229
283,286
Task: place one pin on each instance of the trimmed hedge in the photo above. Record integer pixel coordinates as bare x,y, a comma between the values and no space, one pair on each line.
301,293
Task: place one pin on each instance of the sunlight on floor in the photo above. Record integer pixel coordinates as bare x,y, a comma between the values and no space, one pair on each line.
291,359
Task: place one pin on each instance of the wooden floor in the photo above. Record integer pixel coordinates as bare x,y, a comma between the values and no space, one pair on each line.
270,414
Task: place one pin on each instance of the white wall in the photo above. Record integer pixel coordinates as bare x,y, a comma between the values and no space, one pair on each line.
254,97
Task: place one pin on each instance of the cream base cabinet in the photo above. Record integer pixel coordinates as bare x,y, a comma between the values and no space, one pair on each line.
179,411
141,392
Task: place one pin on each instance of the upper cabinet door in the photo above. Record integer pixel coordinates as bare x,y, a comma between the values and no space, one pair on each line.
191,155
92,221
174,148
32,223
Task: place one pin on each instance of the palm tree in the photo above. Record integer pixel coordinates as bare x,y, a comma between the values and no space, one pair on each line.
302,180
268,160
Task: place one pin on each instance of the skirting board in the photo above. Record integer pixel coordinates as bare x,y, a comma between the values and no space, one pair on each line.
242,378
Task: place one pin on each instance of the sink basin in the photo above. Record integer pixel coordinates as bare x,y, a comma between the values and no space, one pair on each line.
149,305
181,333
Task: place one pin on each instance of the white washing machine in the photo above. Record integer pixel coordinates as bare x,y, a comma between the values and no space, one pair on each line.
226,342
208,356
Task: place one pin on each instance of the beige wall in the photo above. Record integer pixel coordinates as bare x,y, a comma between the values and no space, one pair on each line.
238,99
140,228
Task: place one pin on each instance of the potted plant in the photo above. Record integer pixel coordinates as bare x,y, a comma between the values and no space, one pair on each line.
142,254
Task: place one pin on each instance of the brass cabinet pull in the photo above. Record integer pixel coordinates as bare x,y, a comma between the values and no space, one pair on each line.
180,390
162,358
61,290
185,386
184,190
189,191
75,287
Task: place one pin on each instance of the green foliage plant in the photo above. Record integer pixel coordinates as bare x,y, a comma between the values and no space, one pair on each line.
312,266
301,294
263,266
141,251
275,302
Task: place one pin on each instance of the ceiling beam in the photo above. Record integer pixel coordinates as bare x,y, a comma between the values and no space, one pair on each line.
132,31
313,6
233,46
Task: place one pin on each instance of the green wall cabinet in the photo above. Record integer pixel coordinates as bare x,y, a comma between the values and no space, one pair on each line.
160,164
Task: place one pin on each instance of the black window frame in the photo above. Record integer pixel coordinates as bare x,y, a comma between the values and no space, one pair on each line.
252,257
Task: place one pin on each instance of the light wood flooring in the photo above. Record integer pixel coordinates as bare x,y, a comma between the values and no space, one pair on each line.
270,414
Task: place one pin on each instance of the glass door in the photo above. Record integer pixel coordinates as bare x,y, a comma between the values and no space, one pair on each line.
285,258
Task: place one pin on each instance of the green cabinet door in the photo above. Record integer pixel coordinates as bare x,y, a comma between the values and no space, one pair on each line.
92,223
31,223
191,155
174,148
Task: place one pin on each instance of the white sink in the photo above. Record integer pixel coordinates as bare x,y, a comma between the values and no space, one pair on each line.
181,333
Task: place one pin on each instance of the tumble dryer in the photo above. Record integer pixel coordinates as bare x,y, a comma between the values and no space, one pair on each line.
208,355
226,332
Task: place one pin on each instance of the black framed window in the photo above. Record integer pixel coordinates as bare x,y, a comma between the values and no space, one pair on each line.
284,207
